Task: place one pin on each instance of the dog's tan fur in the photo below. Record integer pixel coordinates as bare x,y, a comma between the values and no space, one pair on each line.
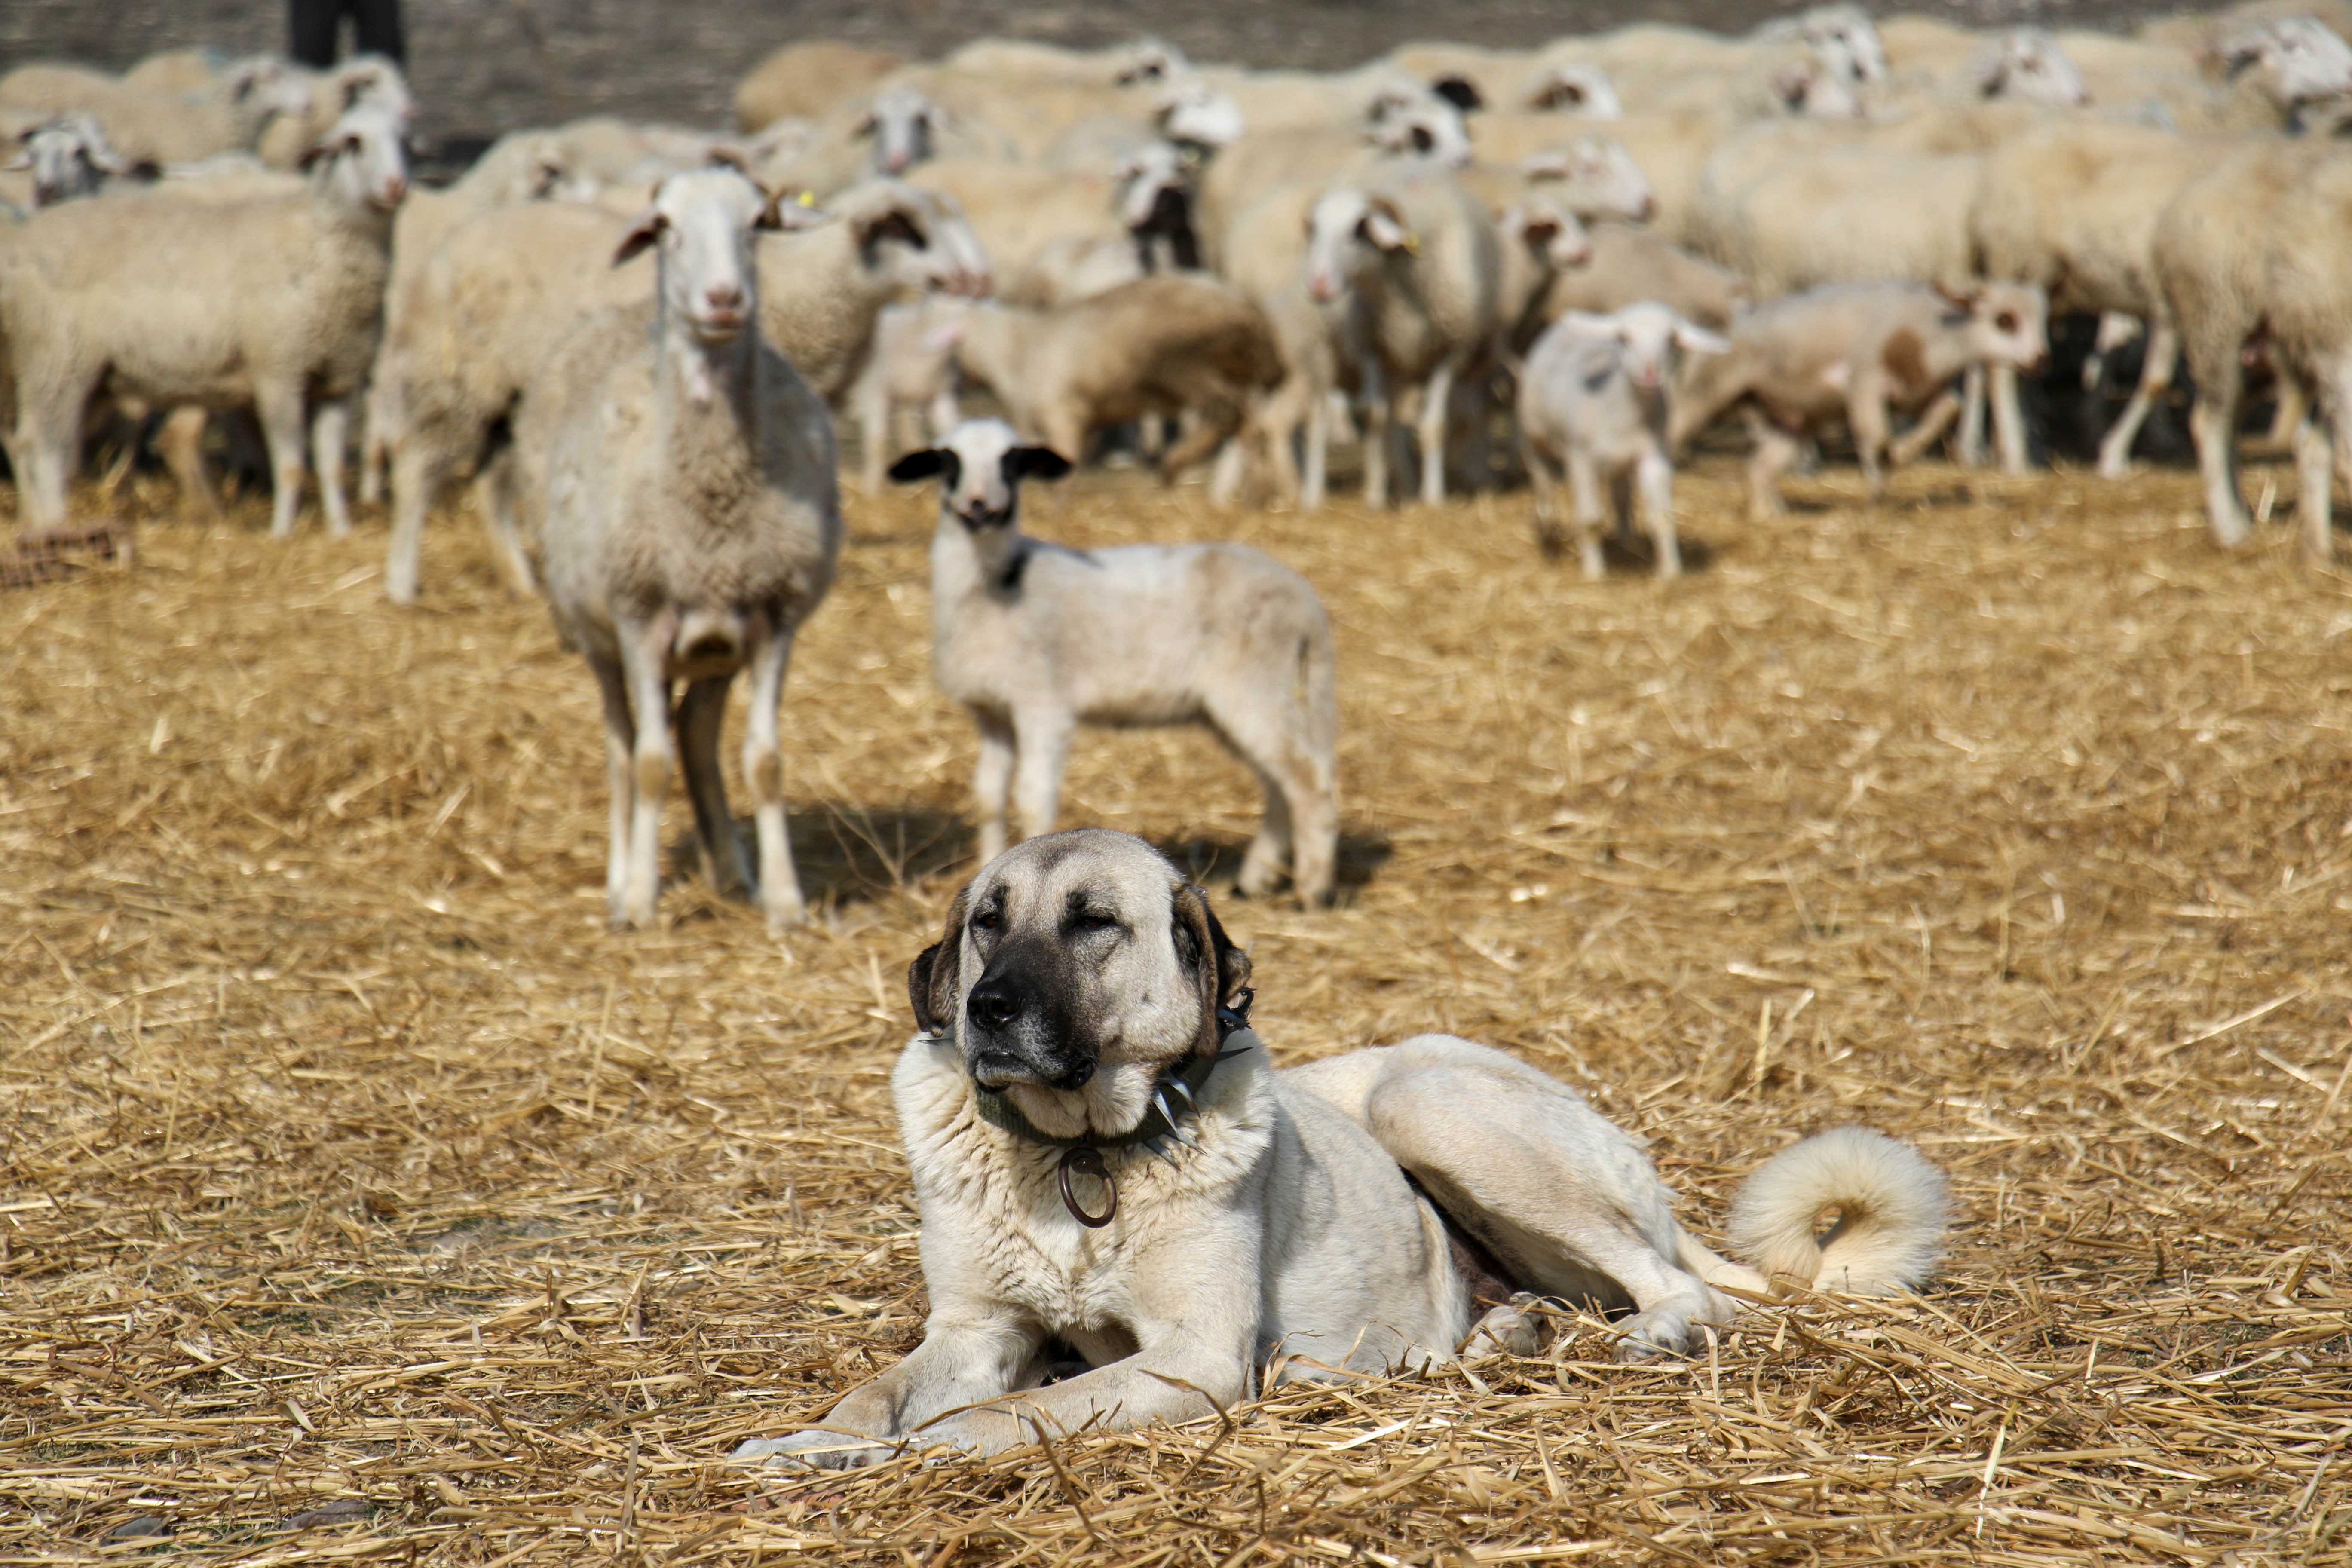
1076,968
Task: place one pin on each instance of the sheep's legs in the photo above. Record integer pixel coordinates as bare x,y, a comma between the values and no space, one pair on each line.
330,430
874,435
700,713
48,438
763,770
2008,418
644,647
1541,480
1934,420
1584,499
2155,375
1433,400
2213,421
1043,744
991,781
1865,415
1300,832
181,440
2315,463
1377,417
1775,450
280,408
620,747
1656,477
1317,479
417,473
494,501
1969,451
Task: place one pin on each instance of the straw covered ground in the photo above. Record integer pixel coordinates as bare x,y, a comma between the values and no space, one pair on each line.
361,1198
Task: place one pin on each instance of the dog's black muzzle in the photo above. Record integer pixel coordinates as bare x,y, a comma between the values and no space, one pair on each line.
1015,1031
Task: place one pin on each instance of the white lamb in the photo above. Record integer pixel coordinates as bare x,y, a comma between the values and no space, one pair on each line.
1036,638
1595,399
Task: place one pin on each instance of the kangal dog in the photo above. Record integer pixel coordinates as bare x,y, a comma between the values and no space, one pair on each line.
1107,1165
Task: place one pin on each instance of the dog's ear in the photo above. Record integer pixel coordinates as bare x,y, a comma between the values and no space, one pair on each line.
932,979
1221,970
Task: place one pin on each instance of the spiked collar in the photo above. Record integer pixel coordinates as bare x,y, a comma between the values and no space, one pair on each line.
1174,1096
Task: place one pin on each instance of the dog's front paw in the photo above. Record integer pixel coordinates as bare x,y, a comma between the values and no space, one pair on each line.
1654,1334
814,1450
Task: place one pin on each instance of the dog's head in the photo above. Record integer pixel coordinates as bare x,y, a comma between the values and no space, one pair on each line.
1074,969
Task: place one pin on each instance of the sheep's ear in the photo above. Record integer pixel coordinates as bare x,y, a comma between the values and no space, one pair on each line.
1384,226
920,465
1035,463
867,124
1459,91
21,160
726,156
327,149
1697,340
791,210
891,223
643,231
1959,298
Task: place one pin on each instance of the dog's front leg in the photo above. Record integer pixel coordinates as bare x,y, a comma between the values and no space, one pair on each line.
966,1357
1193,1288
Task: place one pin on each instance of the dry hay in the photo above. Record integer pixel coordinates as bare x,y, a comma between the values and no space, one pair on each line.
364,1198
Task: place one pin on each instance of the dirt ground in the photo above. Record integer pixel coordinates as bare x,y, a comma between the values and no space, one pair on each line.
362,1197
483,66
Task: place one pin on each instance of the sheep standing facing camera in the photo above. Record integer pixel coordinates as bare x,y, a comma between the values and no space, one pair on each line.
1038,639
681,493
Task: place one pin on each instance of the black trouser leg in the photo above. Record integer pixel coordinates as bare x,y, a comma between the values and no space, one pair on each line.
378,26
311,26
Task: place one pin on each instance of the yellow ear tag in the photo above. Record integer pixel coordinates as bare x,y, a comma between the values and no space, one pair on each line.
806,198
1411,244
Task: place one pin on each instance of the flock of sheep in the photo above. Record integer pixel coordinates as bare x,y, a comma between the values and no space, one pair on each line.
1603,246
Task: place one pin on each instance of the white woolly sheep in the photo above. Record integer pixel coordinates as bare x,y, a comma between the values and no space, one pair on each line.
156,300
1857,353
1596,400
1416,260
912,365
1166,345
504,286
1036,638
682,499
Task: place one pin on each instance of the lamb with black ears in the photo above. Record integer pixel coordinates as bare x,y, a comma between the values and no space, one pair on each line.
1036,638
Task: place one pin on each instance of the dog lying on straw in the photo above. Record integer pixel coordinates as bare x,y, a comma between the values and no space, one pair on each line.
1106,1162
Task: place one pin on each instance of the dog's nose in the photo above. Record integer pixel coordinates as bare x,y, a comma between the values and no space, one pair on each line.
992,1005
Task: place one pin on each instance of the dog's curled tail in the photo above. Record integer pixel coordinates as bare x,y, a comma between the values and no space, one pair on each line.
1891,1211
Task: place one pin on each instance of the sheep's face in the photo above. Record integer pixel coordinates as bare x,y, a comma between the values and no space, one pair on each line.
1651,340
900,120
1549,233
365,158
1146,180
1583,90
270,87
68,158
1846,36
1597,177
2304,60
1196,112
372,78
2008,324
702,222
1349,232
2029,66
979,466
1430,129
917,239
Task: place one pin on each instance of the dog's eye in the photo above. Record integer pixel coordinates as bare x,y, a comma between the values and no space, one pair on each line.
987,920
1098,920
